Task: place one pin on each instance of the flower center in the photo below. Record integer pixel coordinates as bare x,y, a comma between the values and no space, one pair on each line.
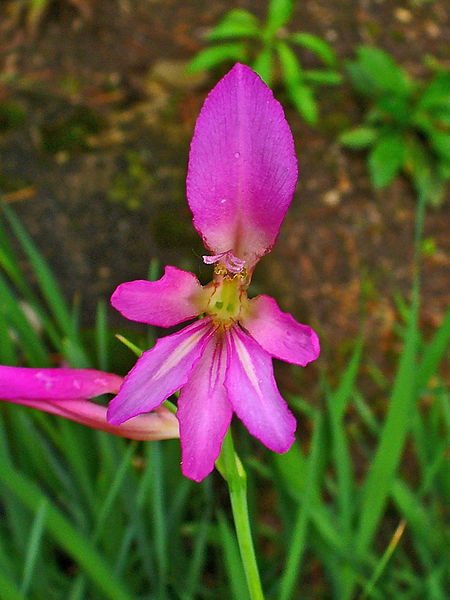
228,295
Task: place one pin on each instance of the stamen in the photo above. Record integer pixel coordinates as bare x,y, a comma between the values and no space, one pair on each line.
232,263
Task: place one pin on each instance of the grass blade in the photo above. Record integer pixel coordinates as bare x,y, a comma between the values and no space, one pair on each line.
378,483
233,564
384,560
298,539
66,535
34,543
47,282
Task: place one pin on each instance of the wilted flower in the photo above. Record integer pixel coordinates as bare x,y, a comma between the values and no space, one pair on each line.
241,178
65,392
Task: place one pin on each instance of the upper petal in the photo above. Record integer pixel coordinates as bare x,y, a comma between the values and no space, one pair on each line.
279,333
254,395
242,167
174,298
160,372
204,411
64,384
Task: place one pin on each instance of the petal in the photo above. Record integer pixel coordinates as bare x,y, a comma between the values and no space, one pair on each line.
242,167
204,412
174,298
279,333
160,372
159,425
254,395
64,384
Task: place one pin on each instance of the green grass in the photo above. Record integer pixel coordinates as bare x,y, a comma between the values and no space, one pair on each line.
88,515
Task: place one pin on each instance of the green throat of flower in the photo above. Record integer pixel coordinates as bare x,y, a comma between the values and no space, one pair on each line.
228,297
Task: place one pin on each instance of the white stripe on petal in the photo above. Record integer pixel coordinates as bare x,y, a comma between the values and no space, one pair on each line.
247,363
183,349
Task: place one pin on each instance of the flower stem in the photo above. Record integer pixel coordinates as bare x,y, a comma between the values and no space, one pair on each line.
231,468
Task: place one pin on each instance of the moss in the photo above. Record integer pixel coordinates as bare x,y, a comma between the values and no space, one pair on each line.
132,185
72,133
12,116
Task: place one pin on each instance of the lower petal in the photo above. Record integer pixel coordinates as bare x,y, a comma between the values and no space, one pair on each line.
161,424
160,372
279,333
204,412
254,395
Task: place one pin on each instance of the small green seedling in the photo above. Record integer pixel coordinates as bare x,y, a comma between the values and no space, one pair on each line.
241,37
406,126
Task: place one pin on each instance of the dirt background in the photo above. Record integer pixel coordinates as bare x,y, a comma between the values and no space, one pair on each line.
95,163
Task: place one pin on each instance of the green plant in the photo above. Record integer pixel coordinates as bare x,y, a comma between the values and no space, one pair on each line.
406,126
89,515
241,37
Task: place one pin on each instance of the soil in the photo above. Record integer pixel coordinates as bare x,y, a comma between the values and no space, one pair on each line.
95,160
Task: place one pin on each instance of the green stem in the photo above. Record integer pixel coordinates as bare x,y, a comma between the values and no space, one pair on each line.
232,470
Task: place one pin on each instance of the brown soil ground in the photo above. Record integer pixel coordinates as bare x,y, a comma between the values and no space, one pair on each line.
101,203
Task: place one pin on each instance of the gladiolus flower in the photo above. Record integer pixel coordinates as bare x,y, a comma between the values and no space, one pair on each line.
241,178
65,392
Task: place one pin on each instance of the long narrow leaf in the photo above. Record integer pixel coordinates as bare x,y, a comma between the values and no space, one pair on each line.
47,282
66,535
298,539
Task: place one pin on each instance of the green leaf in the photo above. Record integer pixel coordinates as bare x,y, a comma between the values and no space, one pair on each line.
426,177
323,77
299,533
386,158
346,386
31,344
232,560
34,546
48,285
68,537
375,73
236,24
279,15
317,45
360,137
8,589
378,483
290,67
301,95
263,65
440,140
397,107
437,93
211,57
434,353
303,99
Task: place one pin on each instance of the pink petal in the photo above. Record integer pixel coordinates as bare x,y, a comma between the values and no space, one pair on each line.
64,384
160,372
279,333
254,395
174,298
204,412
242,167
159,425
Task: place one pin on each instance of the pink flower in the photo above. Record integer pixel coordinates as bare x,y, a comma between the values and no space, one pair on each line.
241,178
64,392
